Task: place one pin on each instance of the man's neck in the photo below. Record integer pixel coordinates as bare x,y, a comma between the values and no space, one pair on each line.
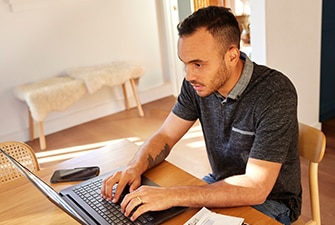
235,76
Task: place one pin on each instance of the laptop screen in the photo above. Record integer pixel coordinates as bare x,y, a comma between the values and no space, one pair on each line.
45,189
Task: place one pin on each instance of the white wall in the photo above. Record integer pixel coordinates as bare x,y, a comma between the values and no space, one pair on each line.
42,38
286,35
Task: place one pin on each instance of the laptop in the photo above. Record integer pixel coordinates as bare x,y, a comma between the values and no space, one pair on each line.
83,201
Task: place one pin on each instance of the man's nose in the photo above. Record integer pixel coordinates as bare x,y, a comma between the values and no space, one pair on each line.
189,75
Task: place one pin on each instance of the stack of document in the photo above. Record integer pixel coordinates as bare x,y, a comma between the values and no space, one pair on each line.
207,217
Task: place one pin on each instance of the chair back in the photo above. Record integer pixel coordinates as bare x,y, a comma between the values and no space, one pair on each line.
312,146
22,153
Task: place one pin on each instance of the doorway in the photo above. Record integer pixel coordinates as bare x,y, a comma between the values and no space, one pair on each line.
327,90
175,11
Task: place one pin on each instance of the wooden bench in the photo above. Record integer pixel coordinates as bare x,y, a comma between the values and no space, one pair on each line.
60,92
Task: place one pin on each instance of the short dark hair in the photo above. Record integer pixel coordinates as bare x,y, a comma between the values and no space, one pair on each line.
219,21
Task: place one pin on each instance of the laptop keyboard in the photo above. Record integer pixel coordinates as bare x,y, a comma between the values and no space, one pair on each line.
111,212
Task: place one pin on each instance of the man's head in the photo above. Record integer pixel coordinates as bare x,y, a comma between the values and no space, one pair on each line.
218,21
208,46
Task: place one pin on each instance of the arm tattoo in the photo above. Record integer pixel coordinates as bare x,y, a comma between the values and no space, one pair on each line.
160,157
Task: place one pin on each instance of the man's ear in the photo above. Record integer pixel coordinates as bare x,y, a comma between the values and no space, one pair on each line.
233,55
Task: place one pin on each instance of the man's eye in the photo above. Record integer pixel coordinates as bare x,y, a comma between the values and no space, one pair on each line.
197,64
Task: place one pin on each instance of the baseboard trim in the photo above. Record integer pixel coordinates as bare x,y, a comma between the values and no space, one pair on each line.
58,121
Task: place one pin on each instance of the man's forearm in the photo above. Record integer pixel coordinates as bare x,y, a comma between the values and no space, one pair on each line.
219,194
154,159
151,153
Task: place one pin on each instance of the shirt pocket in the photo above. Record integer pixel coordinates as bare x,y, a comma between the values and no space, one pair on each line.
241,140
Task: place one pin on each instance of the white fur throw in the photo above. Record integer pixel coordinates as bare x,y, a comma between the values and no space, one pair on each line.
110,74
60,92
52,94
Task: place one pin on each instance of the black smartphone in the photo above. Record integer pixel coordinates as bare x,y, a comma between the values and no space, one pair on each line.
75,174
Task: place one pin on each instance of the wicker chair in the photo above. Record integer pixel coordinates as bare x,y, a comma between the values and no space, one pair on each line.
22,153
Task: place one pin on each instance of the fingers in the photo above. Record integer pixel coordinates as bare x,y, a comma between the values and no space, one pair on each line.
139,200
120,188
133,205
107,188
144,199
122,179
109,183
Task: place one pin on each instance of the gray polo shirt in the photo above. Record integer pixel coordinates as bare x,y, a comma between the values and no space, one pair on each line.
257,120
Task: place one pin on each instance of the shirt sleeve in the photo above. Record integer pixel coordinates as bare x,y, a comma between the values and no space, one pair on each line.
277,125
186,106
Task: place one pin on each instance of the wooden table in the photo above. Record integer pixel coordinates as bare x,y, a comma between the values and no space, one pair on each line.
22,203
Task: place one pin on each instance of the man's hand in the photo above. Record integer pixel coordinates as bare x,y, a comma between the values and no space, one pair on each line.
122,179
144,199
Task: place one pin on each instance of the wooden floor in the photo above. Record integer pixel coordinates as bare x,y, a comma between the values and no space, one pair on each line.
189,154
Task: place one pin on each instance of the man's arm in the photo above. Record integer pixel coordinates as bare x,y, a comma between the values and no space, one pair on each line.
251,188
154,150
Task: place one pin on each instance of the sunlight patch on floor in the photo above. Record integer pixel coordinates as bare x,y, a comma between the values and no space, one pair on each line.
196,144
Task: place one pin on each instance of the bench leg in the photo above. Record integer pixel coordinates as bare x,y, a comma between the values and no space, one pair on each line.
126,101
31,131
139,106
42,136
31,126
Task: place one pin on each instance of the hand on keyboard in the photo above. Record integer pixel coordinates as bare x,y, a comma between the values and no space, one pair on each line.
126,179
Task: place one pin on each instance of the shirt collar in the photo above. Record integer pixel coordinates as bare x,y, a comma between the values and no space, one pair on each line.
243,82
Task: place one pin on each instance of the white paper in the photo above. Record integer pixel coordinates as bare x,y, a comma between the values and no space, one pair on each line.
207,217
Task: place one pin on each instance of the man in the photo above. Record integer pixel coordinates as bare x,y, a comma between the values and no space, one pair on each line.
248,115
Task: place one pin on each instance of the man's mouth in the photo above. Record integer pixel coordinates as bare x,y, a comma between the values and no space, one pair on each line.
197,87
